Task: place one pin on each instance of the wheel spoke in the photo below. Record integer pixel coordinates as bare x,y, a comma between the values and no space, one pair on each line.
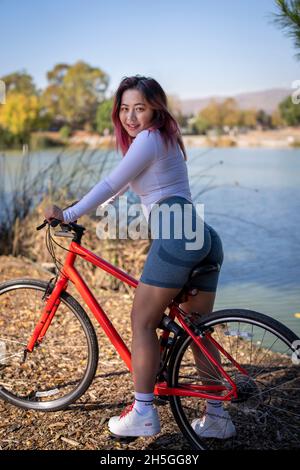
55,373
266,412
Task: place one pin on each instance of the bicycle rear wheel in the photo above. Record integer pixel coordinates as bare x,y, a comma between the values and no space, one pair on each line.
61,368
266,413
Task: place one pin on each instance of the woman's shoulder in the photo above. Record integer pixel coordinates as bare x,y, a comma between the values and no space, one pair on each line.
148,136
150,132
154,138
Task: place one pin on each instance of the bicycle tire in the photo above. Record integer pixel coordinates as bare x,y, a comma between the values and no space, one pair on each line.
73,318
267,434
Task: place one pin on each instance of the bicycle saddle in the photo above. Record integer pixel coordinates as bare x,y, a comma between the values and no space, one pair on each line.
188,288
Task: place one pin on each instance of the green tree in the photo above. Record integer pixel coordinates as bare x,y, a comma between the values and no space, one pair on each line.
263,118
288,18
290,112
199,124
103,117
74,93
19,82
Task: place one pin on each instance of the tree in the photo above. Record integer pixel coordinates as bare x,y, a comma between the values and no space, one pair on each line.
288,18
218,115
290,112
263,118
19,82
229,113
211,114
248,118
19,115
103,117
74,93
276,119
199,124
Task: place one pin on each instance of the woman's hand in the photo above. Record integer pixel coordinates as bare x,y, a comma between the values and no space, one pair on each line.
53,212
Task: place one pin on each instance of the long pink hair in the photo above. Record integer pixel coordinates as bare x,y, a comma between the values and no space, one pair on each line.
162,118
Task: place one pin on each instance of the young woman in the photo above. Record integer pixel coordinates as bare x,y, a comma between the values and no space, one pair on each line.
154,166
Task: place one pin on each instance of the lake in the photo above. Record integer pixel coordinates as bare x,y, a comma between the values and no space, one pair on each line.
252,198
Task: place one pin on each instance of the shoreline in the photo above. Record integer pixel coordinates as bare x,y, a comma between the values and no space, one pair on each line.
285,138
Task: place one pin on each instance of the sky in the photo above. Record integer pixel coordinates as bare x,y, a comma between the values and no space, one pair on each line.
193,48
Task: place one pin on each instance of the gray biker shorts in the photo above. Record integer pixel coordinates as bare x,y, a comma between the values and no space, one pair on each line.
169,262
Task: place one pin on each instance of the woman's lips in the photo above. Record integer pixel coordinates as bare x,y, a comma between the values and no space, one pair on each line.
132,128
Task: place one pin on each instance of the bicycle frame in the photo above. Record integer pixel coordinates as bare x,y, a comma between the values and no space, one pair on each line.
70,273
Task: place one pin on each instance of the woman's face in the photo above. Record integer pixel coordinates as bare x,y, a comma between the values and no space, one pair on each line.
135,112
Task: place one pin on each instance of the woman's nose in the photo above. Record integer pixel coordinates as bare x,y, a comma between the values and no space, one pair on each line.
131,116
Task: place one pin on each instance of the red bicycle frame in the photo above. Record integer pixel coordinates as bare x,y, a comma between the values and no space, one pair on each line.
70,273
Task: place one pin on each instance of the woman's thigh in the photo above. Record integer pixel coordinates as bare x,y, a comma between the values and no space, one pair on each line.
149,304
202,303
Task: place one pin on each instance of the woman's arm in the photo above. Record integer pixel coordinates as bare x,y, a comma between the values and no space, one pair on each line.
140,154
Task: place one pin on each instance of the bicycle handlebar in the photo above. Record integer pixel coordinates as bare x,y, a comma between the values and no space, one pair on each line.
78,230
53,223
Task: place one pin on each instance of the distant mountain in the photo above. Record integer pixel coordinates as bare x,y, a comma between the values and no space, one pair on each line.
267,100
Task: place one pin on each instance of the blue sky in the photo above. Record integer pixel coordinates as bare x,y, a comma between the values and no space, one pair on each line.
194,48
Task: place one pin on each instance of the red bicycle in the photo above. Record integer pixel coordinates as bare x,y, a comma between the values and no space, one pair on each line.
49,354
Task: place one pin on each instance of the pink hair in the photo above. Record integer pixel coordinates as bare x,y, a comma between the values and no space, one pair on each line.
162,118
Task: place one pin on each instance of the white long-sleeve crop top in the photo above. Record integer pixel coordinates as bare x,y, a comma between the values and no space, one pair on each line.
152,171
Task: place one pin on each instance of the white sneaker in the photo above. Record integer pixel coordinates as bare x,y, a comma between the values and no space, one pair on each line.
219,427
131,423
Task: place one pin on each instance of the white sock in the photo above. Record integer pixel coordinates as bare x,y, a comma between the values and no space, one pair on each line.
143,402
214,407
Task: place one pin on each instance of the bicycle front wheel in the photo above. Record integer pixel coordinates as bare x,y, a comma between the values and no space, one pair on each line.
266,413
61,368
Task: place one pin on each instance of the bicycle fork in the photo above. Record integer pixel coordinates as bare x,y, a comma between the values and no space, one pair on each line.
47,315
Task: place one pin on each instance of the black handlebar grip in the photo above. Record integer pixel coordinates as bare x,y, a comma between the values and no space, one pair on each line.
53,223
42,225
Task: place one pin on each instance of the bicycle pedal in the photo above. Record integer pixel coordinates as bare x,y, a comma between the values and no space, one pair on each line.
161,400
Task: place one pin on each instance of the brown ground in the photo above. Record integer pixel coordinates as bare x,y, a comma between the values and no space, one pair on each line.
84,424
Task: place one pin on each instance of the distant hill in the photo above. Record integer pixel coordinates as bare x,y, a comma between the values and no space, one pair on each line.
267,100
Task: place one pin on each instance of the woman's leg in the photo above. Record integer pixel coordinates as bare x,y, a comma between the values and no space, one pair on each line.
142,418
203,303
150,302
216,422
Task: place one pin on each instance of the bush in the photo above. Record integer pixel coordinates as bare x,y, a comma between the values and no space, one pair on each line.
65,132
8,140
42,141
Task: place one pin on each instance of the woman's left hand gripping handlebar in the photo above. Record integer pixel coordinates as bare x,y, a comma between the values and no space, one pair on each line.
53,212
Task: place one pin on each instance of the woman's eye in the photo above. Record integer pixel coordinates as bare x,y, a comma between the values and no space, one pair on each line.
137,109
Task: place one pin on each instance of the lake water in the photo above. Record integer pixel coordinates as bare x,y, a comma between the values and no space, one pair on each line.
252,198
